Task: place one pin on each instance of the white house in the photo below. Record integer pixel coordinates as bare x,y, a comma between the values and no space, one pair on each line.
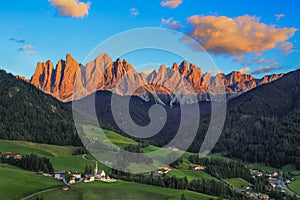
198,167
89,178
60,174
76,175
100,174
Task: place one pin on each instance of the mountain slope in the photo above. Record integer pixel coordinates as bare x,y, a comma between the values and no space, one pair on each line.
263,124
29,114
121,78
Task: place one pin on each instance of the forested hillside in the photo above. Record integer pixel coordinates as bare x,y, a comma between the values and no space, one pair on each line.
263,125
26,113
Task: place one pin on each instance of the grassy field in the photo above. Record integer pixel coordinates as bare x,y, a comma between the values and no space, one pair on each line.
263,168
16,183
190,174
295,186
119,190
47,150
108,136
60,156
237,183
74,163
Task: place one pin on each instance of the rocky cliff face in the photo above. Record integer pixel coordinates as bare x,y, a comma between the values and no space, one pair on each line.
71,80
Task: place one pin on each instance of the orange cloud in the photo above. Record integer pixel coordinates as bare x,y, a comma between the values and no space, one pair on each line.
241,59
239,36
171,3
175,25
244,70
71,8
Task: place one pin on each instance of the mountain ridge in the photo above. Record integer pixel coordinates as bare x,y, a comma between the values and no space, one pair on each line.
121,78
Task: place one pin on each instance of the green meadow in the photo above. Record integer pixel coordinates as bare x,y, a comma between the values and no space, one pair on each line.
190,174
295,186
16,183
237,183
119,190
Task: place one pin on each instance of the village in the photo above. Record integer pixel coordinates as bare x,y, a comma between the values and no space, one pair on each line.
276,183
275,179
70,177
67,176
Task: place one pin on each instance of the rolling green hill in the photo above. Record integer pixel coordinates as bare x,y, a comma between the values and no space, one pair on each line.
120,190
190,174
238,183
60,156
16,183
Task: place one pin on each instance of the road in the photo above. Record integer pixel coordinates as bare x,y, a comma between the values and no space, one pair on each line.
283,186
32,195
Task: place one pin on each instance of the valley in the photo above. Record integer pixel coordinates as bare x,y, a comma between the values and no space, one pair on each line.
63,158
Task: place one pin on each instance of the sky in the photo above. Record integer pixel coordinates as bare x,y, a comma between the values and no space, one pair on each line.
251,36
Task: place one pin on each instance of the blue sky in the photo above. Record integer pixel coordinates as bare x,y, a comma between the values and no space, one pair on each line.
50,33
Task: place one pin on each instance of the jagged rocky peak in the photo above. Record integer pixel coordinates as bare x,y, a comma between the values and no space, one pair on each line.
175,67
42,76
105,74
184,68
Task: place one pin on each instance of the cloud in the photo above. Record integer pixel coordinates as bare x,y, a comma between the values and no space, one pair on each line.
263,60
279,16
245,61
171,3
71,8
166,21
287,48
244,70
27,49
175,25
274,64
171,24
30,52
241,59
266,69
17,40
134,12
215,72
23,48
238,36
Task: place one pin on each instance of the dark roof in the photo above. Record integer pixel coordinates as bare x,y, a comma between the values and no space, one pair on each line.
60,172
76,172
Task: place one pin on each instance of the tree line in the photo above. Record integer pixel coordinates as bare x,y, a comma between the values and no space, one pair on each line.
30,162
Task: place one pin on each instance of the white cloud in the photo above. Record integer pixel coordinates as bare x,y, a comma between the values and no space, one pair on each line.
166,21
279,16
23,48
134,12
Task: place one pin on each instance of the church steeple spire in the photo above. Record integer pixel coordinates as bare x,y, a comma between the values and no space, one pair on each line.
96,169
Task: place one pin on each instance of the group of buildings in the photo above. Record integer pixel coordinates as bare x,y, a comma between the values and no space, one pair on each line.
98,175
8,155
